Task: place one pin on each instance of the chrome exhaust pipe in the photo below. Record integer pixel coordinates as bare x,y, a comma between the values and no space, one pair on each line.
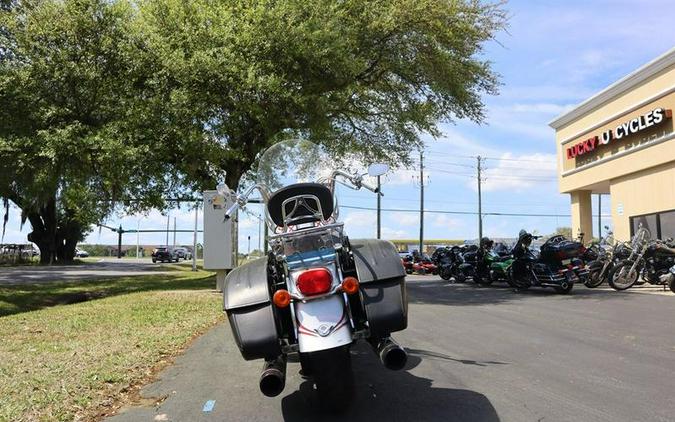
273,377
391,355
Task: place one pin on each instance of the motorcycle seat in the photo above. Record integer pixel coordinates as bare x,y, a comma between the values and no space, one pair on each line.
502,258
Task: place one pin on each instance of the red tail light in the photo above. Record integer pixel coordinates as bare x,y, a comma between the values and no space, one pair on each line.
314,282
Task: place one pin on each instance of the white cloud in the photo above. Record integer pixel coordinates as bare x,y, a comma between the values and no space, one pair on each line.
404,218
360,219
509,173
393,234
445,221
542,108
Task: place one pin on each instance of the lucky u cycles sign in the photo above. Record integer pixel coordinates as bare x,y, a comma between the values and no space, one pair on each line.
631,127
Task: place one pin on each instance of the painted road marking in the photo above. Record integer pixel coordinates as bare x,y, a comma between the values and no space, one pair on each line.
209,405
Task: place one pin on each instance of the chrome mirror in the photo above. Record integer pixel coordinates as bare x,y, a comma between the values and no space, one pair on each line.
377,169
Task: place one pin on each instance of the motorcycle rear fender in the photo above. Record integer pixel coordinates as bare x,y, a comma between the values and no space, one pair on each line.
382,281
322,324
246,300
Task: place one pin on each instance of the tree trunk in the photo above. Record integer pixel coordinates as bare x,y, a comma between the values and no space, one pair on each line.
55,237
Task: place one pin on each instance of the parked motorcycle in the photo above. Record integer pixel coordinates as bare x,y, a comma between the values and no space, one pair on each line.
607,253
651,259
488,262
451,263
556,266
669,279
318,291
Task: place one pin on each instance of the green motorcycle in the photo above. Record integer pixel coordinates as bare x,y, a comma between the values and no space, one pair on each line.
499,269
491,266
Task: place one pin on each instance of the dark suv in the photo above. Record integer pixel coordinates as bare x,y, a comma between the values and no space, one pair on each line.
164,254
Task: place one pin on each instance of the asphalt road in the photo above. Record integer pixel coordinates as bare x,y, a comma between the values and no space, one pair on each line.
475,354
105,268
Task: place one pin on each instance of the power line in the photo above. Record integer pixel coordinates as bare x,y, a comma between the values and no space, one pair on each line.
502,214
498,214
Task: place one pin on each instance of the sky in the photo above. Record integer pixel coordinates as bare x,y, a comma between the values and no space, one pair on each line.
554,55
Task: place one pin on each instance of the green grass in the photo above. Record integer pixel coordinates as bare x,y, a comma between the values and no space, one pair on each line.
63,361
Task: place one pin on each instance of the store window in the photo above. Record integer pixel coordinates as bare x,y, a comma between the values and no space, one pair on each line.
661,225
667,224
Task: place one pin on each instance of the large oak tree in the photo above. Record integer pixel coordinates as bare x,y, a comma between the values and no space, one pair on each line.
104,101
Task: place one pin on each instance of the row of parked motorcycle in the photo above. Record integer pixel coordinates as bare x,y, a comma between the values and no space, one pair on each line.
559,263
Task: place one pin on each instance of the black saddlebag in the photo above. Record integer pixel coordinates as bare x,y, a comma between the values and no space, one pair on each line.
246,299
563,250
382,279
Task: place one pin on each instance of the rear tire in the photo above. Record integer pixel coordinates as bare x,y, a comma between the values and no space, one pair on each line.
517,281
620,279
564,290
445,274
594,279
333,378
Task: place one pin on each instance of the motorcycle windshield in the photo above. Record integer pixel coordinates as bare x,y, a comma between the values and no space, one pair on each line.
294,161
297,174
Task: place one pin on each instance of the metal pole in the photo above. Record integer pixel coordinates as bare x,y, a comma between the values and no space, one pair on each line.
421,247
138,234
379,210
194,239
174,232
248,251
480,203
599,216
167,230
119,242
267,242
259,232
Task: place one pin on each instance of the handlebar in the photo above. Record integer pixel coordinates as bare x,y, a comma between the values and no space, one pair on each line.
371,188
231,210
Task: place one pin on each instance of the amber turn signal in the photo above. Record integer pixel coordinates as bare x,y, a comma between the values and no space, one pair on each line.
282,298
350,285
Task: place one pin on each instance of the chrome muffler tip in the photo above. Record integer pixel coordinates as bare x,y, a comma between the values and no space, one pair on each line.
273,377
391,355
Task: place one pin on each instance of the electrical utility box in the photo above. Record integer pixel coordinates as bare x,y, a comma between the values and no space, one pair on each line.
219,233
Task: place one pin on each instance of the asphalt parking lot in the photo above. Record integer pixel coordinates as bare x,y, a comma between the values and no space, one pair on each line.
103,268
475,354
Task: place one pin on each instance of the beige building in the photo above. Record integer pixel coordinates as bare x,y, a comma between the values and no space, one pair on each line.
621,142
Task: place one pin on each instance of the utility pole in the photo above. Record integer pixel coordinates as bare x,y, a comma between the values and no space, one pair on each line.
421,249
174,232
480,199
194,239
379,211
138,227
167,230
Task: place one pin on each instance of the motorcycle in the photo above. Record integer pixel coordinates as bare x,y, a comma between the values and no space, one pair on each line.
487,262
556,266
607,252
422,264
651,259
317,292
669,279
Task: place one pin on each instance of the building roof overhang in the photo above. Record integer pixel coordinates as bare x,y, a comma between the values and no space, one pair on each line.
614,90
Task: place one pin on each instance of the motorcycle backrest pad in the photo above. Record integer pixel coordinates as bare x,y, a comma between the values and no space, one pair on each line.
321,192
